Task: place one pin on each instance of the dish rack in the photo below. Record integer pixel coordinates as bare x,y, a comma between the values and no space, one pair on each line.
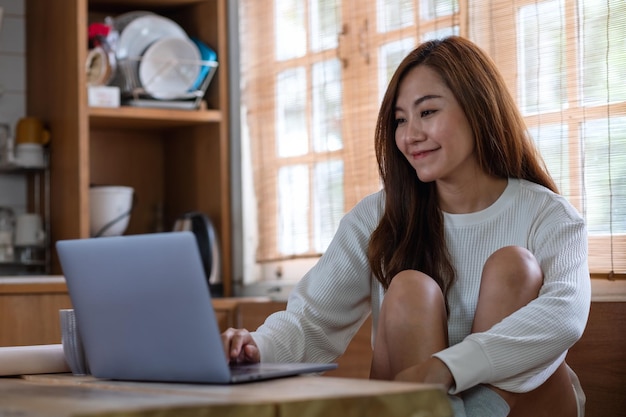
133,92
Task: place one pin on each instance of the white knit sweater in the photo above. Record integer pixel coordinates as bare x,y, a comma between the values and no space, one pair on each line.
518,354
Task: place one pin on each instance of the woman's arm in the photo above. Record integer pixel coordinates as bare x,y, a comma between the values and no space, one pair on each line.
329,304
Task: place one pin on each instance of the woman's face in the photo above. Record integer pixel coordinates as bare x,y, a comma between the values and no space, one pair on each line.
431,129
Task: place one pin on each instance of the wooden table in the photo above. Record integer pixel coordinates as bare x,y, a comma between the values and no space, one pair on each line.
304,396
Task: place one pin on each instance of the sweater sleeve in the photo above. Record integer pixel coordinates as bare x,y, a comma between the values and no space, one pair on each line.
521,352
329,304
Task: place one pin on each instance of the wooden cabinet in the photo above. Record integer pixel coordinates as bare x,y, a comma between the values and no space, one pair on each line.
599,359
176,160
29,308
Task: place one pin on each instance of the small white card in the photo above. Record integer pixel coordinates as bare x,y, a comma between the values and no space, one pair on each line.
103,96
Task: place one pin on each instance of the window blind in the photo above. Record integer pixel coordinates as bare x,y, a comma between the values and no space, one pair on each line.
313,73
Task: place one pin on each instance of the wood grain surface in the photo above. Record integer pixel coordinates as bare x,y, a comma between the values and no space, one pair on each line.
304,396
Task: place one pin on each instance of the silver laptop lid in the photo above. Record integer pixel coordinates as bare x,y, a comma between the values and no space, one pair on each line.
143,308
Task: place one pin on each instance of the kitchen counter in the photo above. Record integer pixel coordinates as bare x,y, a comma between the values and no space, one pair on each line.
32,283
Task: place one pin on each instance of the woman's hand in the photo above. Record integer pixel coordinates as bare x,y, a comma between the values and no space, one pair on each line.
239,346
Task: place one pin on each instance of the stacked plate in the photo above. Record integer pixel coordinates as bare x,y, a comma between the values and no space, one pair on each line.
157,58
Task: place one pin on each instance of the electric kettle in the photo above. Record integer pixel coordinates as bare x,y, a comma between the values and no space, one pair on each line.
200,225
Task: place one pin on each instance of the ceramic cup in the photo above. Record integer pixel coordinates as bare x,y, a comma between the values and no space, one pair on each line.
29,230
72,343
30,155
110,209
31,130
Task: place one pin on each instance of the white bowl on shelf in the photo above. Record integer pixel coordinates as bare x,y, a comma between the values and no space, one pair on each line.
110,208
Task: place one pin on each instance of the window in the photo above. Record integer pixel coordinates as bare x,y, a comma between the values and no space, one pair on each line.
565,65
314,71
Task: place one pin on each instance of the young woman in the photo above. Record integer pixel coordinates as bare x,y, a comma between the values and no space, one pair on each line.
473,267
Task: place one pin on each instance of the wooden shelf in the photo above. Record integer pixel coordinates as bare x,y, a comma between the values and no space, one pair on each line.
137,117
148,4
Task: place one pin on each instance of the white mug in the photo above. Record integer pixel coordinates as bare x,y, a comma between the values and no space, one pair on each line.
29,230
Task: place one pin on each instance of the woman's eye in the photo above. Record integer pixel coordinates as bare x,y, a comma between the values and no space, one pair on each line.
399,121
427,112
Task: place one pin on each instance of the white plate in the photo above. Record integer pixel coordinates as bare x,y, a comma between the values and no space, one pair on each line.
142,32
169,68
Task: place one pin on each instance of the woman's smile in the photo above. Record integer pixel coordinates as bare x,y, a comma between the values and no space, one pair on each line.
423,153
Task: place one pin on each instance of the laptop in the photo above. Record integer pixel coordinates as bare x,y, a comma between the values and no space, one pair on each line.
143,310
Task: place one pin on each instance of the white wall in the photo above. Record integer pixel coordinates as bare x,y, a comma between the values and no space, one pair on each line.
12,90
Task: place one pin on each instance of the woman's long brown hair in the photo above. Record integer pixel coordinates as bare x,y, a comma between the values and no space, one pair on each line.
410,234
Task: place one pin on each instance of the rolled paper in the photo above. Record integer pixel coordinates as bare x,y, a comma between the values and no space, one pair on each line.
35,359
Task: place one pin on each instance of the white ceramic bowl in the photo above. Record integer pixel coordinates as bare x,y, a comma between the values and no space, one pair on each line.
110,207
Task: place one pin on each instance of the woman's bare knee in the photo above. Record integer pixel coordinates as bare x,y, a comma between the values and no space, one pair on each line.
414,289
511,278
412,324
414,298
514,260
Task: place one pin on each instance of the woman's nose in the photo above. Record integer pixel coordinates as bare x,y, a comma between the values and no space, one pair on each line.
414,131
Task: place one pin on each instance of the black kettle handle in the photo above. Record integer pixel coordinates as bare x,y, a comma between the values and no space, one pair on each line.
205,237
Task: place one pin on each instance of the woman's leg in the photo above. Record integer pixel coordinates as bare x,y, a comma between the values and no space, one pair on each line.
511,279
412,325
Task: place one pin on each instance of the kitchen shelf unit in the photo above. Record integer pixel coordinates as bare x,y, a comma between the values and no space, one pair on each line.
176,160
